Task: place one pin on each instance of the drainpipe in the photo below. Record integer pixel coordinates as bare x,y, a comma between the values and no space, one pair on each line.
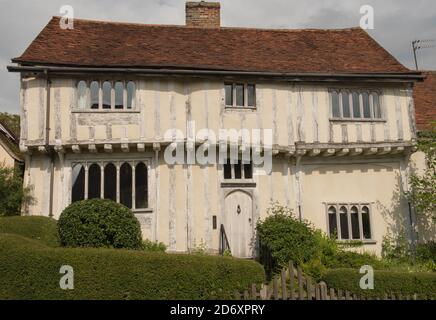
47,142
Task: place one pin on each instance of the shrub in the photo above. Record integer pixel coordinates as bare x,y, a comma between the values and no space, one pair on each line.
43,229
426,251
286,237
153,246
395,247
350,259
404,283
12,193
30,270
99,223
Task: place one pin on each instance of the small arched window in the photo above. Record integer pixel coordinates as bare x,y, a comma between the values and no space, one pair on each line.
119,95
343,217
366,106
355,229
81,94
110,182
333,224
78,183
346,105
366,226
356,105
141,189
335,105
126,185
376,105
95,88
131,95
107,88
94,181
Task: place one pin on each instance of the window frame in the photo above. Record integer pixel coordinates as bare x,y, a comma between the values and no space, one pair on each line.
348,206
102,163
234,106
112,109
233,172
360,91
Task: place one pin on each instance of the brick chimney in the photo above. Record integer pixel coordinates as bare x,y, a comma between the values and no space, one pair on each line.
203,14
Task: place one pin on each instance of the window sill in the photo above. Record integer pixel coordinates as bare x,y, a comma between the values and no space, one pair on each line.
356,120
238,184
232,108
105,111
142,211
364,242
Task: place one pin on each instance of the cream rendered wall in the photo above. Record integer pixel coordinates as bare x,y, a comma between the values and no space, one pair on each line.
375,183
186,197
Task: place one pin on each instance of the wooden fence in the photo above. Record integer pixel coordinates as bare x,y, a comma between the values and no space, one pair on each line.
292,284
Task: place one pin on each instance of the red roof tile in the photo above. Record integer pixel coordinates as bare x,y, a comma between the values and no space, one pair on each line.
424,95
109,44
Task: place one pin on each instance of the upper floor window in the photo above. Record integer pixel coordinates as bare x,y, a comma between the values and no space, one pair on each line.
238,171
106,95
355,104
240,95
349,221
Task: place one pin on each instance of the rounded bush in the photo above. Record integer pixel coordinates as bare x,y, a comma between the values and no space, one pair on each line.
286,238
99,223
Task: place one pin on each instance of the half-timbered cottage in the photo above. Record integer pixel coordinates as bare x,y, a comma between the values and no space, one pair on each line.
101,104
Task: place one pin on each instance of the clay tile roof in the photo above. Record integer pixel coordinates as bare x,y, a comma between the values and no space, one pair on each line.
109,44
424,95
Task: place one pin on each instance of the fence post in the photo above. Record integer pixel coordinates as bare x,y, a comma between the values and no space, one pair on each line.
275,289
309,288
237,295
264,292
283,283
317,291
291,277
246,295
332,294
300,284
253,291
323,290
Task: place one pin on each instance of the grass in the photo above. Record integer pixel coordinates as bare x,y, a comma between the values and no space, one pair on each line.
30,260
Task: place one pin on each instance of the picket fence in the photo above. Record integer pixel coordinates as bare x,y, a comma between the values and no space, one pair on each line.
292,284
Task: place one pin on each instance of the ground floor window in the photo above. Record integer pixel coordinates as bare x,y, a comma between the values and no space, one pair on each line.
349,221
125,182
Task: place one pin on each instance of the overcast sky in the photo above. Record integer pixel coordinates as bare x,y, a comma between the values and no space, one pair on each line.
397,23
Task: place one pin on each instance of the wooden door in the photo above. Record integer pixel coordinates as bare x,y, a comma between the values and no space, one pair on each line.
239,223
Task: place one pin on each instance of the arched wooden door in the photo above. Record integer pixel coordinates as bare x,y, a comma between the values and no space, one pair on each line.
239,223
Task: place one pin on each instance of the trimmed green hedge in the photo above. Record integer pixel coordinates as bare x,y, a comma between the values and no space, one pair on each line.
423,284
30,270
40,228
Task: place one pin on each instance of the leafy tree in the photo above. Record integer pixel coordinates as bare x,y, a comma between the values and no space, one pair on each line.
12,193
12,121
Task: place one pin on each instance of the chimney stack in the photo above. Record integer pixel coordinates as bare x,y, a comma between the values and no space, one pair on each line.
203,14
